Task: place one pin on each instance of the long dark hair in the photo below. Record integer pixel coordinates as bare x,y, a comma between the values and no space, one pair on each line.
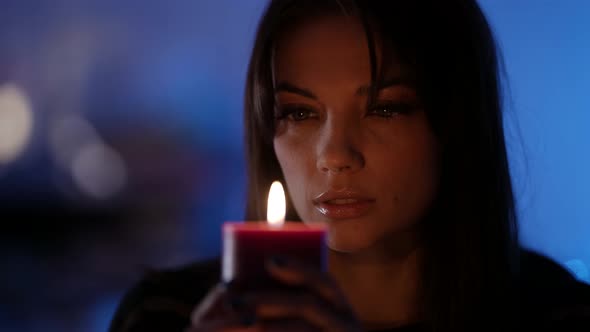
472,251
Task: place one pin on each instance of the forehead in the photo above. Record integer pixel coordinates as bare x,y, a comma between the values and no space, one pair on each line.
322,46
333,47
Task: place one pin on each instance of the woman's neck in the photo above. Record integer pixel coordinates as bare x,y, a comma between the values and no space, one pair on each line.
383,283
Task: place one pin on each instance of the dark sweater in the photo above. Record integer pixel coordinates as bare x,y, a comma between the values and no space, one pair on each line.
163,300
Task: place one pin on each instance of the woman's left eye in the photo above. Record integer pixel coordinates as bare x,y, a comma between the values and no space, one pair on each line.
389,110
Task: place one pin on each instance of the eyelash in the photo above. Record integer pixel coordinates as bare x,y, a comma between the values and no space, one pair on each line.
289,111
396,107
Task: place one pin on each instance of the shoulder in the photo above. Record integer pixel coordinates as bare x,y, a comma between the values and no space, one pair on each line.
164,299
549,293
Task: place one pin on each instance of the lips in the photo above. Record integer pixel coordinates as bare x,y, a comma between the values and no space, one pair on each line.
342,201
343,204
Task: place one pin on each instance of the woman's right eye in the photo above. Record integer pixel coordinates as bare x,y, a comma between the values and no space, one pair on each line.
296,113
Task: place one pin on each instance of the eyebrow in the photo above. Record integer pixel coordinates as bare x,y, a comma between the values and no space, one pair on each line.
285,86
288,87
388,83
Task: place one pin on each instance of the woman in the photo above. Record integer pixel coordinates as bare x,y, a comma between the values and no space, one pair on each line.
384,120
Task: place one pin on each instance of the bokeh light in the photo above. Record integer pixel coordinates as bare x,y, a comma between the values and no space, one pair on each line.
16,122
99,171
68,134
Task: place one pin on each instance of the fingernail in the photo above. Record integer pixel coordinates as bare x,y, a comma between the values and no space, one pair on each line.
248,320
278,261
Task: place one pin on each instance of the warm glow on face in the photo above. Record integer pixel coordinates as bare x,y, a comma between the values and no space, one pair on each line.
275,213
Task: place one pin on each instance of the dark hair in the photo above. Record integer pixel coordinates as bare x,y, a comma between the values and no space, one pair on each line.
472,251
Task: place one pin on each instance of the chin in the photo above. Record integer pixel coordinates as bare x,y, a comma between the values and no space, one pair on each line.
354,236
348,241
350,235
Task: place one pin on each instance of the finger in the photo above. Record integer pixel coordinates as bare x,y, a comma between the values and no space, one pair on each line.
308,307
217,303
205,307
294,273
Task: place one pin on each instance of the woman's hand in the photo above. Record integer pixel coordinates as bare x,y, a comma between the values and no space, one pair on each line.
216,313
317,305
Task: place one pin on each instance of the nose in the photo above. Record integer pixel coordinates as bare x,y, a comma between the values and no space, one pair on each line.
337,151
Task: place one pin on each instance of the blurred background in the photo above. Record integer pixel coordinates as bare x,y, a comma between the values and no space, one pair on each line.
121,142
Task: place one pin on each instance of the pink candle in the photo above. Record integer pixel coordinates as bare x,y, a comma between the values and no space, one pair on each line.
248,245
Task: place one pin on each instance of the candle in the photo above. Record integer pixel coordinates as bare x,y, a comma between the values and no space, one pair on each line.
247,245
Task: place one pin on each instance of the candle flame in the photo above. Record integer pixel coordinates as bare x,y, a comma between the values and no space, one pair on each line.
275,213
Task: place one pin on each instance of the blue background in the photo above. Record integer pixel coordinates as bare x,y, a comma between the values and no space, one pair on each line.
160,82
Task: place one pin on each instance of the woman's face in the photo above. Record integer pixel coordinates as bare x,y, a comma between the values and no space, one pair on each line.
367,173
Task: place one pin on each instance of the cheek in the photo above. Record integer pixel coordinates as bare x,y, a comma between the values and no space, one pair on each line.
412,176
294,157
291,154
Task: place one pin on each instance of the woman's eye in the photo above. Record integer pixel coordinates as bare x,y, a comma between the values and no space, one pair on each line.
300,115
296,114
389,110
